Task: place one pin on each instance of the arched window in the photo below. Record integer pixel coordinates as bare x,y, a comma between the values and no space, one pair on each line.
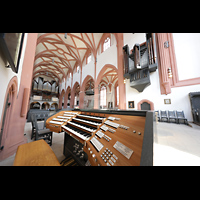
106,43
89,58
78,68
103,96
117,91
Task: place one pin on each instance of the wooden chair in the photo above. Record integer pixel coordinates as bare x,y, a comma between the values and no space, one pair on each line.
38,116
44,133
172,115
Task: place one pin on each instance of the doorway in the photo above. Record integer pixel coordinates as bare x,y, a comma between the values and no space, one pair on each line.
145,104
10,97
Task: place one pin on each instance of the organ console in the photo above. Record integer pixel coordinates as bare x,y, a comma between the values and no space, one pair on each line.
106,138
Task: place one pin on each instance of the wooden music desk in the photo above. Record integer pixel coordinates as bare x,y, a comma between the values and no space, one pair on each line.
37,153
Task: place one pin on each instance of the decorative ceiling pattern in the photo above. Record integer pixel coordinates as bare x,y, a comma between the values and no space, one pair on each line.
58,53
109,78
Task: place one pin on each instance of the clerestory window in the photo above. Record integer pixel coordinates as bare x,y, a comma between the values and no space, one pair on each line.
106,44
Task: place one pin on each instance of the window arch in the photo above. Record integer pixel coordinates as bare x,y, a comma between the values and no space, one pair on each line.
103,96
89,58
117,95
78,68
106,43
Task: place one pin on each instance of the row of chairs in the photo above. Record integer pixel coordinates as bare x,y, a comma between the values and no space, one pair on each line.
171,115
39,131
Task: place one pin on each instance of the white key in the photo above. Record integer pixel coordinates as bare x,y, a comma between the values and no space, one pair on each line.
75,133
55,122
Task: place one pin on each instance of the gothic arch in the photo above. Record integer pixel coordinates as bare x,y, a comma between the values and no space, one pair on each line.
55,105
103,70
60,99
82,89
88,77
9,104
66,96
45,106
33,103
73,94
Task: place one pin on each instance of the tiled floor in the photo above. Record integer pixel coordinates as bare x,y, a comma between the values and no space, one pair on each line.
174,144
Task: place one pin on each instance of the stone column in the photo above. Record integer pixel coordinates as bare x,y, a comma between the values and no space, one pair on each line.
120,64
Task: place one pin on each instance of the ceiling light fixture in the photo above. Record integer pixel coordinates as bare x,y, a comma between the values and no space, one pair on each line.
65,35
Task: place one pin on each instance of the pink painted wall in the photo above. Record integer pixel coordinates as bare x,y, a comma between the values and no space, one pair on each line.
15,133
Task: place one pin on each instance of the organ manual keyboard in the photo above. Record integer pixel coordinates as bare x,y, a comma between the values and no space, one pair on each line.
106,137
55,122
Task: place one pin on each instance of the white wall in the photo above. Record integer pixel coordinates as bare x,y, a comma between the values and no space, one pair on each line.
131,39
63,84
152,92
76,78
187,54
88,70
109,56
68,80
6,74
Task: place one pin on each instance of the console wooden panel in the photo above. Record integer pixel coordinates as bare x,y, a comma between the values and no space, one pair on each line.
139,127
130,139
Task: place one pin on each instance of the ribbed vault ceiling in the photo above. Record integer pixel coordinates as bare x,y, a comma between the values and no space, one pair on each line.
56,55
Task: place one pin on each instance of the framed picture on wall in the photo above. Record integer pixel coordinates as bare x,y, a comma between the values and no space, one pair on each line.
167,101
131,104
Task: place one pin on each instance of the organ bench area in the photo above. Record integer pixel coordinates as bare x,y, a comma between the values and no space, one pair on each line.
106,137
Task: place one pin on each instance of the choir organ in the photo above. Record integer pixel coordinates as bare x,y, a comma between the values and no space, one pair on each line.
140,63
106,138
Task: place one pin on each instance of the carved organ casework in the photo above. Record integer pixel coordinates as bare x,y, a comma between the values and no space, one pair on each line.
140,63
